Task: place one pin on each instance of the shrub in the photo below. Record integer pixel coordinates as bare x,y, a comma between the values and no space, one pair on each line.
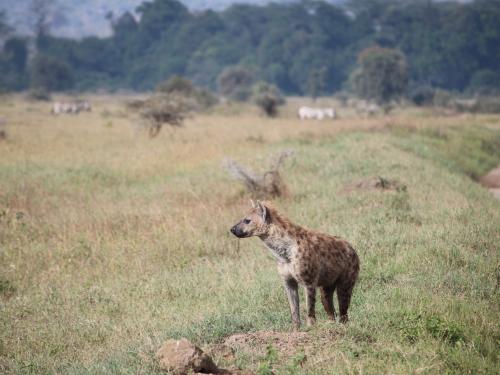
268,98
39,94
442,98
164,109
177,84
422,96
184,87
484,82
486,104
236,82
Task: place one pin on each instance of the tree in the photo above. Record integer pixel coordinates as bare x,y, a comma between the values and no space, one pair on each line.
268,98
13,59
50,74
158,16
382,75
5,29
235,82
177,84
164,109
42,12
316,82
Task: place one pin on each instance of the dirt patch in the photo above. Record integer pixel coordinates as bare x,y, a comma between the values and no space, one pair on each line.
286,343
374,183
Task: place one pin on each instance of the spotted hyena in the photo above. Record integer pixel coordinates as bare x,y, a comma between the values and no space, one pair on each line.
306,257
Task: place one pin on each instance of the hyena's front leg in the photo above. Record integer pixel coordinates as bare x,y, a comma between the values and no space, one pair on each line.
292,292
311,302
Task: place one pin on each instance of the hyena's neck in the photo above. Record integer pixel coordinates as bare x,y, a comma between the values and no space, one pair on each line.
280,242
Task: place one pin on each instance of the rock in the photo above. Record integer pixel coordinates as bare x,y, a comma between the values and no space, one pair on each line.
182,357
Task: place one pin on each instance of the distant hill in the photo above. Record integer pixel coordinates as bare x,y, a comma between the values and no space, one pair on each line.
76,19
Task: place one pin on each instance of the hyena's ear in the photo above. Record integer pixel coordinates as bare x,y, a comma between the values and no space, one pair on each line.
253,203
262,209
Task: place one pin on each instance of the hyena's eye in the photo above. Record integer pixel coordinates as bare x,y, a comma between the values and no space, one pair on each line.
246,221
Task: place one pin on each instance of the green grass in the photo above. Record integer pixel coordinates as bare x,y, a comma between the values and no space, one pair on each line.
473,150
98,265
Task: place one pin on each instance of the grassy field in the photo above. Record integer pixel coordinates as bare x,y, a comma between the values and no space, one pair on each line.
111,242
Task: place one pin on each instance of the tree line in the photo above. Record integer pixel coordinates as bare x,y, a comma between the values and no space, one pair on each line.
307,47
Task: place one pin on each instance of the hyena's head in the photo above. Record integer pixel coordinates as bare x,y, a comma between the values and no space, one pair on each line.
253,223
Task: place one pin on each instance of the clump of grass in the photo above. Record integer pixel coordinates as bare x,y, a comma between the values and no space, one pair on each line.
268,362
473,150
413,326
7,289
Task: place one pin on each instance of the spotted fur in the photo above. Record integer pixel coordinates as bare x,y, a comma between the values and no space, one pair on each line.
304,257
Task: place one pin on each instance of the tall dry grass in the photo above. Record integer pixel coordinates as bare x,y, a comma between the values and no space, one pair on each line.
111,241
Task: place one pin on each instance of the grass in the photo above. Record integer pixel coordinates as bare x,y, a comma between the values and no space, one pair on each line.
111,242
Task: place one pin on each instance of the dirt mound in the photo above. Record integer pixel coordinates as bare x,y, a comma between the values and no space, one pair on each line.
374,183
285,343
491,180
280,340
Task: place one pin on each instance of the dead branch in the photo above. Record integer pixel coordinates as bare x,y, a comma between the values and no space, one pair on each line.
269,184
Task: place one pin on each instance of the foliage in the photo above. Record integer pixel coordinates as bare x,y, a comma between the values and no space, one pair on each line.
184,87
39,94
13,61
162,109
177,84
235,82
316,82
450,45
485,82
267,97
50,73
482,104
422,95
381,75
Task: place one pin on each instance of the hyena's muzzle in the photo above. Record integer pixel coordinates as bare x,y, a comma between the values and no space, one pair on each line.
238,231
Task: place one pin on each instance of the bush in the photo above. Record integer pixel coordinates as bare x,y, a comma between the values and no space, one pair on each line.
422,96
268,98
442,98
165,109
184,87
177,84
486,104
39,94
236,82
484,82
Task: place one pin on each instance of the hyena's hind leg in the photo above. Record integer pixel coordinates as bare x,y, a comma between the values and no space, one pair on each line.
327,300
344,292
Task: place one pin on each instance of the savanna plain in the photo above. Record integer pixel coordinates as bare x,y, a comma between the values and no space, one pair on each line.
112,242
